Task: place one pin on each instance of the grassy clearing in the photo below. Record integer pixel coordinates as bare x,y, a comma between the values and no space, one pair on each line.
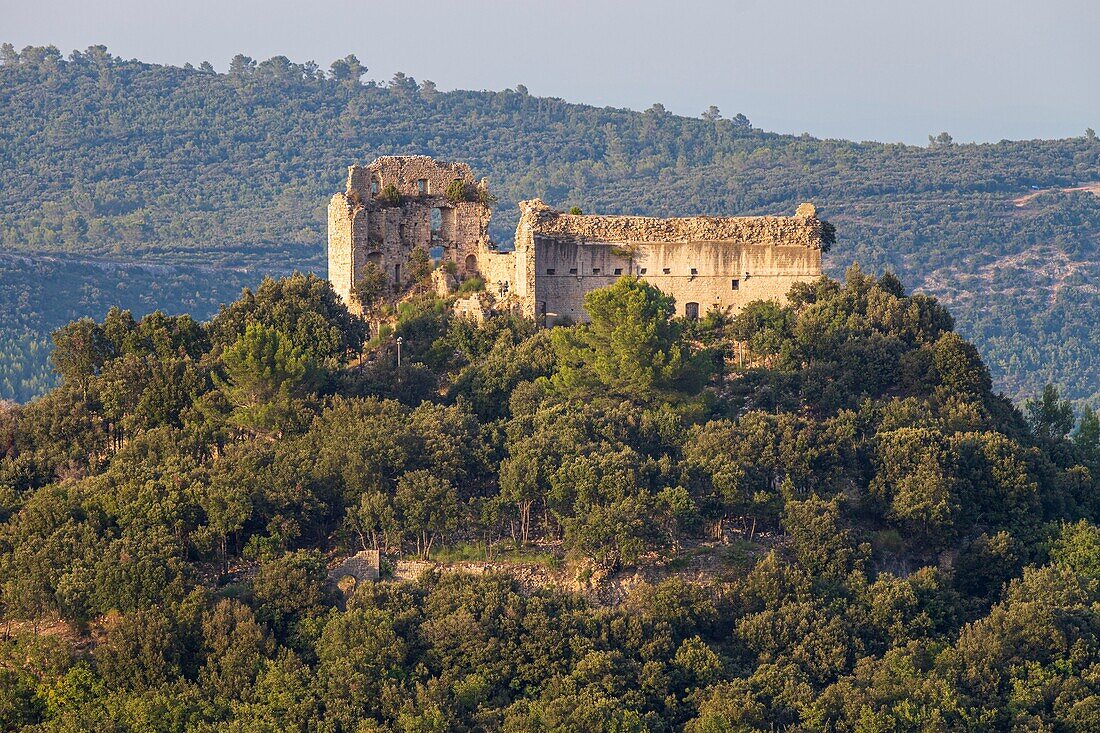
508,554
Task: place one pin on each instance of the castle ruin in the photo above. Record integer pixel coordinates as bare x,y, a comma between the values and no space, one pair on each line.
398,204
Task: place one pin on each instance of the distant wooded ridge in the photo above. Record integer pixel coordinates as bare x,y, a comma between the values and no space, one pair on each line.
136,161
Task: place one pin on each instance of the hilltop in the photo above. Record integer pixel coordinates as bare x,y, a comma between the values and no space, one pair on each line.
141,162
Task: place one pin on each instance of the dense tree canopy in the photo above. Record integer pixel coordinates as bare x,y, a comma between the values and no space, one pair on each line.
631,347
814,516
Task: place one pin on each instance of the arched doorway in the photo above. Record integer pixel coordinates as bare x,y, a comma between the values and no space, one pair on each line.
471,264
691,311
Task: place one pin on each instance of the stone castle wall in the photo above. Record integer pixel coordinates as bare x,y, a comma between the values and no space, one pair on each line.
712,275
341,246
499,271
703,262
406,172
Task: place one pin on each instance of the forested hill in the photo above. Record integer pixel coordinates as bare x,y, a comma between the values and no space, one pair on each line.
844,531
133,161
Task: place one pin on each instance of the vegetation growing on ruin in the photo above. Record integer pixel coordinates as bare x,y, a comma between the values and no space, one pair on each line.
847,529
472,284
459,191
371,286
389,195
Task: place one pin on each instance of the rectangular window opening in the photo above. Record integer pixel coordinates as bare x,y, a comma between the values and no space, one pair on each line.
422,185
694,272
641,271
735,284
435,223
572,271
595,271
667,271
551,271
618,271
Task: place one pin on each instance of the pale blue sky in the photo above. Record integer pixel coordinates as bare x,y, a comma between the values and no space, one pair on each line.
859,69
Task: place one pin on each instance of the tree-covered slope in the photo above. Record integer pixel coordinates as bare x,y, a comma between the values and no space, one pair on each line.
118,158
846,530
38,294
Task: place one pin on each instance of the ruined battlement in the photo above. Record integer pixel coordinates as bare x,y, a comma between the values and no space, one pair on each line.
803,229
414,176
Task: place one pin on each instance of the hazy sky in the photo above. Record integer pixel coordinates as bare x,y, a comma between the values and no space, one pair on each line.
860,69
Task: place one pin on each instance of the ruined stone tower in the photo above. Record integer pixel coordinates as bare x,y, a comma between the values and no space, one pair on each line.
398,204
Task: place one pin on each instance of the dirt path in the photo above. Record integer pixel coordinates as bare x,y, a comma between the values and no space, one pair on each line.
1093,188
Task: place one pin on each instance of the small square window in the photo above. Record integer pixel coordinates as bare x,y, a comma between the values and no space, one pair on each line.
551,271
735,284
694,271
595,271
641,271
618,271
667,271
572,271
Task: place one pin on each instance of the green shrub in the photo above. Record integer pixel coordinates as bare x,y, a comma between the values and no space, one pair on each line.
458,190
389,195
472,284
485,197
371,286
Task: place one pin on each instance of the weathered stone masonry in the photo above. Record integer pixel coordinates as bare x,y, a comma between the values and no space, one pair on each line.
364,227
703,262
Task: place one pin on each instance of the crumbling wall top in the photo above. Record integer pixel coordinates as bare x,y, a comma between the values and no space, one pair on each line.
412,175
802,229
